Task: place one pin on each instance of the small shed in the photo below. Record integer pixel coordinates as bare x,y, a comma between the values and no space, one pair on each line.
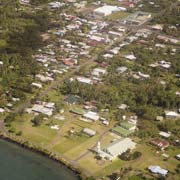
89,132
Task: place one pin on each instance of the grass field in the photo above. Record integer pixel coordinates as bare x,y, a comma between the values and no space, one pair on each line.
42,134
76,147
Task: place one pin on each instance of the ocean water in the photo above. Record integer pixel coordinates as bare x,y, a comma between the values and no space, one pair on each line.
17,163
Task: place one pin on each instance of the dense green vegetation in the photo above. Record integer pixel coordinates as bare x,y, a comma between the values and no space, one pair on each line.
170,19
19,40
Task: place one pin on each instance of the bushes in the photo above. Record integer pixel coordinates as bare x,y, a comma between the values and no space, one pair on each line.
128,156
9,118
38,120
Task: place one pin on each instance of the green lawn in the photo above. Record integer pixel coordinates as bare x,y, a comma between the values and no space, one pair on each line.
41,134
67,143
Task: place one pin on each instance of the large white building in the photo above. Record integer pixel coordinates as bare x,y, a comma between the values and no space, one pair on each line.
116,148
93,116
108,10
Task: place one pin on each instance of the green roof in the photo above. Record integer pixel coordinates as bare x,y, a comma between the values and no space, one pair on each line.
120,130
77,110
126,125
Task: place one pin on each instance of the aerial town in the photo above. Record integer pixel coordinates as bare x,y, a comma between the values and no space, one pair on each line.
102,89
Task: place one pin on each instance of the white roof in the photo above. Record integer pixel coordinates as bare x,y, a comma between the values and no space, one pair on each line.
91,115
41,109
84,80
172,113
130,56
115,33
56,127
122,69
55,4
50,105
44,78
164,134
120,146
89,131
2,110
178,156
107,10
143,75
37,85
158,170
98,71
96,38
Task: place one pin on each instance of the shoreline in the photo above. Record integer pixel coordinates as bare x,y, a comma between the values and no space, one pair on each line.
43,152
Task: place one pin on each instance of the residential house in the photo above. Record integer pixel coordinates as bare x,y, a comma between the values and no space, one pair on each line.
158,170
171,115
84,80
89,132
178,156
93,116
164,134
160,143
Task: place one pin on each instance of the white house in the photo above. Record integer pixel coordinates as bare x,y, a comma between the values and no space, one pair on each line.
171,115
130,57
178,156
37,85
84,80
89,132
41,109
2,110
164,134
98,72
158,170
24,2
91,116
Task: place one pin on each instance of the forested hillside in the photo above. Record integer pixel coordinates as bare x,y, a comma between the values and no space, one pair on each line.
19,40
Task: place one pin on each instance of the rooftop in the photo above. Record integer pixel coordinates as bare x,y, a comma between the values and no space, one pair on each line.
120,130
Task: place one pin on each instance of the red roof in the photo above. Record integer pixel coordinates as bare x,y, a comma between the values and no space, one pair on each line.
69,62
162,144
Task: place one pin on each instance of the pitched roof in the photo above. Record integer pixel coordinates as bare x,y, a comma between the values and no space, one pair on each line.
158,170
120,146
160,143
120,130
127,125
77,110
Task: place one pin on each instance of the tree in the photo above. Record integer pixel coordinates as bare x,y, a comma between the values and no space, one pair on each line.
38,120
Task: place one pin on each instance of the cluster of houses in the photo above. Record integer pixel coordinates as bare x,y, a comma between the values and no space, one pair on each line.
64,54
46,108
10,104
